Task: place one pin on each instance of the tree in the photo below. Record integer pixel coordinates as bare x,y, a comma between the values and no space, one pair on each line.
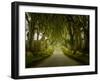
71,30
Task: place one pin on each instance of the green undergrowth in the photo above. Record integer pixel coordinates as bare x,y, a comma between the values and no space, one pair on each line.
82,58
32,58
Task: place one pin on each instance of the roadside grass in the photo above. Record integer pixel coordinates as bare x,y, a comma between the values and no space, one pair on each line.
83,58
33,58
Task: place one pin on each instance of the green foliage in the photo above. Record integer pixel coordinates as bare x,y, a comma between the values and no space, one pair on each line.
79,56
58,27
71,31
33,57
29,58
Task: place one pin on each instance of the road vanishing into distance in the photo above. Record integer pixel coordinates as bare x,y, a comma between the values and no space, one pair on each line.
58,59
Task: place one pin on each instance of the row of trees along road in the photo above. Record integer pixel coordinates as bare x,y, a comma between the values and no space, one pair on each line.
71,31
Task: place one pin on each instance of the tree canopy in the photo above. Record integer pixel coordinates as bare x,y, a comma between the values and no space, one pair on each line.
71,31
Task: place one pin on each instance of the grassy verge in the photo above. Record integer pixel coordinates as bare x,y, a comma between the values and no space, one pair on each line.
33,58
83,58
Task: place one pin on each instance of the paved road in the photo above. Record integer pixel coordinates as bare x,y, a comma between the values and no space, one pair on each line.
58,59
